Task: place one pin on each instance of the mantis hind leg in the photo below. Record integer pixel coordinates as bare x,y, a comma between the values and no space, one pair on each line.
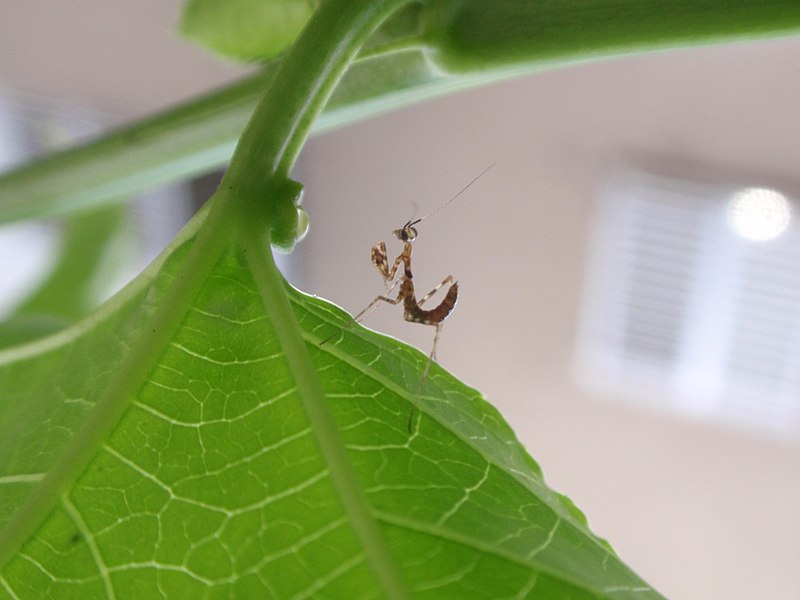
444,282
431,358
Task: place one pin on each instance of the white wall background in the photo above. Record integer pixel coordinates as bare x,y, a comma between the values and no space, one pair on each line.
700,512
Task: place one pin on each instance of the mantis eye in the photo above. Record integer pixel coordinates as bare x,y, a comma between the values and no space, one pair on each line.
406,234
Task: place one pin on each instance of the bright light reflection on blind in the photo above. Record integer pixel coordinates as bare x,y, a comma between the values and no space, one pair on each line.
684,311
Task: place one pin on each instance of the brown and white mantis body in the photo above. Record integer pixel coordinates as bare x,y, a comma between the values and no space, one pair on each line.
394,275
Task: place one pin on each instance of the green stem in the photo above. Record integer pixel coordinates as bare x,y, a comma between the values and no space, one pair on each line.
181,142
470,35
256,181
306,77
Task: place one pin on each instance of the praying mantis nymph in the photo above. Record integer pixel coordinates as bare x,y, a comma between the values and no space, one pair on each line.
392,276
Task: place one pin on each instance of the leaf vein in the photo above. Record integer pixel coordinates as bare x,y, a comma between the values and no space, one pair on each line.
94,550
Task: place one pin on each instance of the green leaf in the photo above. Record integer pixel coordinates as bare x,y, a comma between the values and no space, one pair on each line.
216,479
245,29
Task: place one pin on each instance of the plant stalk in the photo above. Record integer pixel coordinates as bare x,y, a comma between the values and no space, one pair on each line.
254,182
